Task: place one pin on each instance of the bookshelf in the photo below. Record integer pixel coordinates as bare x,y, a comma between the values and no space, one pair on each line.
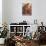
18,29
21,29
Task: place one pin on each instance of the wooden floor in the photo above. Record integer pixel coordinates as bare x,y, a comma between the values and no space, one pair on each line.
36,44
1,45
32,45
42,45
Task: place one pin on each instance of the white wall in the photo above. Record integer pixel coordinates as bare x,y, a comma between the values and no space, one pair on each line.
13,11
4,11
0,13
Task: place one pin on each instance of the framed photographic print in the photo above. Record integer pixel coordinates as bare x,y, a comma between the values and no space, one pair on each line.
27,9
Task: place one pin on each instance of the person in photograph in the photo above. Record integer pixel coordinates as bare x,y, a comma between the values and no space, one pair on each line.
27,9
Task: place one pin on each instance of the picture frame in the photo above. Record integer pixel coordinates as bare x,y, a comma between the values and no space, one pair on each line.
27,9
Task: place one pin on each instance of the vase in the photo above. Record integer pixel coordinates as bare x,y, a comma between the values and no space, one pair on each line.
2,40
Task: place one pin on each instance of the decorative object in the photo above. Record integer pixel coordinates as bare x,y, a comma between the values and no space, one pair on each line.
27,9
3,34
28,33
35,21
2,40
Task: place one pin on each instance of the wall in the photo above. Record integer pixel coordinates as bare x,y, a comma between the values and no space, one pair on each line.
0,13
13,11
4,11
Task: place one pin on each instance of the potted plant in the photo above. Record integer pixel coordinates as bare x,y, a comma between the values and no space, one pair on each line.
3,34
